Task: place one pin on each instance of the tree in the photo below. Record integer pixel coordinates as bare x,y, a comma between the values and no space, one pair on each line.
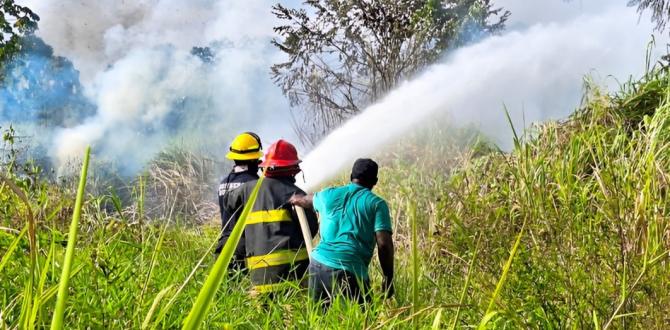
15,22
660,10
345,54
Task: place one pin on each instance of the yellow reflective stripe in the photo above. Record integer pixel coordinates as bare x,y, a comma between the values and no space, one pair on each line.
268,216
266,288
277,258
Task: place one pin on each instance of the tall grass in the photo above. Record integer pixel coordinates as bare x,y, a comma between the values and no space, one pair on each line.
490,313
27,306
12,247
461,300
413,218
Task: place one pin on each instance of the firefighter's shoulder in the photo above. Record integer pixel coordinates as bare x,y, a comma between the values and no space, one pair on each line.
247,187
232,182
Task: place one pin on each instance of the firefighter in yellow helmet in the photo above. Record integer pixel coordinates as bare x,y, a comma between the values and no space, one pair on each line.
246,151
275,248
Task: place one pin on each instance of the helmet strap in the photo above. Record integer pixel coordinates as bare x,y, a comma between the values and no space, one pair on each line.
273,171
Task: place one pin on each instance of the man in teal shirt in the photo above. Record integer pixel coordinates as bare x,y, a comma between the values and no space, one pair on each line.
352,221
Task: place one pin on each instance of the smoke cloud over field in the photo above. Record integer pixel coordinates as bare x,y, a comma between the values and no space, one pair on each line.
151,87
535,70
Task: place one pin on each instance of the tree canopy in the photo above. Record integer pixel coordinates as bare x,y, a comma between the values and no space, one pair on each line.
15,22
660,10
345,54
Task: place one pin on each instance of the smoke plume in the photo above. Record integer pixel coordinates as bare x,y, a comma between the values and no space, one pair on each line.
165,71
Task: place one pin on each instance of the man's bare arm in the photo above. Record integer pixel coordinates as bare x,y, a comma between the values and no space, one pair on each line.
385,252
304,201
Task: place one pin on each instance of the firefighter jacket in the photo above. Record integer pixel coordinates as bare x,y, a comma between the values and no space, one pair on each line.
230,213
275,247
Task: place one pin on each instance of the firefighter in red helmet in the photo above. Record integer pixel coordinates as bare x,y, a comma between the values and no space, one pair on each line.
275,248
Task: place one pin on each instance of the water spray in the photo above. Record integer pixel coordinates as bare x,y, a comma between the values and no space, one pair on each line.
535,74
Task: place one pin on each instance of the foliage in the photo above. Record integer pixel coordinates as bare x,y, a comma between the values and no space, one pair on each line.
593,193
344,55
660,10
11,149
15,22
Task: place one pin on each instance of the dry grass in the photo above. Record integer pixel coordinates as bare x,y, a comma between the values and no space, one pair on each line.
178,183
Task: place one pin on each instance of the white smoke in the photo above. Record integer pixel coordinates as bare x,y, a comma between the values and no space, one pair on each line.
136,65
528,13
535,70
95,34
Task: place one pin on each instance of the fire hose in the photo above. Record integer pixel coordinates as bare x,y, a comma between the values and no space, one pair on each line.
304,226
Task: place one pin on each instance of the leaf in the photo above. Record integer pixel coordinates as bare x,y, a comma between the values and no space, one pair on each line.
204,300
61,299
12,247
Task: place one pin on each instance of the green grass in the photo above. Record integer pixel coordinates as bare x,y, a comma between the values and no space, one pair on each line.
571,229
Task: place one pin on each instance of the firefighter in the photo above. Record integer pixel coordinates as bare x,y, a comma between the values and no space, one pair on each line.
245,151
273,238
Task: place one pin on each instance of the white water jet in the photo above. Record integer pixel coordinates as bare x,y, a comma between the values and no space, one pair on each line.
536,73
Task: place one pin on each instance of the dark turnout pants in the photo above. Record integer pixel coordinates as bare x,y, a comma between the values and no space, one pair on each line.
325,283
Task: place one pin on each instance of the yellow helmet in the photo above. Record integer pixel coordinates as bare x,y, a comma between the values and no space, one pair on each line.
246,146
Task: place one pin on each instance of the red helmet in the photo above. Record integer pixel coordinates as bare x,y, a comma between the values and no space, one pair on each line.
281,154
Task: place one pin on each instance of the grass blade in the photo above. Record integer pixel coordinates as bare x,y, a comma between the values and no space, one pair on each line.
163,311
204,300
51,292
61,299
12,247
506,269
467,283
40,288
485,321
154,305
415,259
152,265
517,141
596,323
27,305
437,320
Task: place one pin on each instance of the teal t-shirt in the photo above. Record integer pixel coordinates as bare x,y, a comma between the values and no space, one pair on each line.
349,215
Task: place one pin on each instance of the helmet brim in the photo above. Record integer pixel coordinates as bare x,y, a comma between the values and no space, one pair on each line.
246,156
280,163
